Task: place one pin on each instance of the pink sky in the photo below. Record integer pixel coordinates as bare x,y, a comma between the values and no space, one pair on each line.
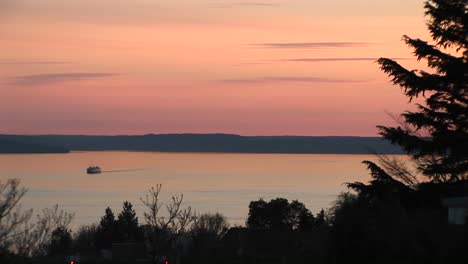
295,67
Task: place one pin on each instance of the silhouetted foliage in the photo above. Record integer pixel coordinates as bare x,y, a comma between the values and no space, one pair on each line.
11,217
394,233
108,220
86,238
210,224
36,236
279,214
300,217
60,242
127,224
349,221
206,234
106,232
321,219
382,227
397,216
381,186
436,135
164,233
18,233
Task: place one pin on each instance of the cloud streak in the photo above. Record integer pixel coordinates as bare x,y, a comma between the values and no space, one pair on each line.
311,60
246,4
252,63
336,59
276,79
41,79
312,45
32,62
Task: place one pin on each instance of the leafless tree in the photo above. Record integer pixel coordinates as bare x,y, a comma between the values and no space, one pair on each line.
163,231
177,219
35,237
11,215
18,233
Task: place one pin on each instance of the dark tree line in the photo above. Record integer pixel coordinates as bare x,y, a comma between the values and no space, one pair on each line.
280,214
123,229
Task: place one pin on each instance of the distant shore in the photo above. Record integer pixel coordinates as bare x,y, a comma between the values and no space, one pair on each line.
200,143
14,145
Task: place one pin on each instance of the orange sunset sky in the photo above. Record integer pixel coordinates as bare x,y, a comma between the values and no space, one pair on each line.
278,67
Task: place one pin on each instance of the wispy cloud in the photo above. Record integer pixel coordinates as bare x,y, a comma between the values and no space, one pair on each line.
312,45
241,4
330,59
40,79
272,79
251,63
336,59
5,62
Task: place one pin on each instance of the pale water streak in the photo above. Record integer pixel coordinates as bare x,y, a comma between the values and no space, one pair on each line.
213,182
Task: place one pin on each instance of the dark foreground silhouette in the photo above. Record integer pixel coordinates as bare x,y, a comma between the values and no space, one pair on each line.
385,222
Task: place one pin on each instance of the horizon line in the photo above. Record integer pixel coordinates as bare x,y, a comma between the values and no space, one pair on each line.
186,133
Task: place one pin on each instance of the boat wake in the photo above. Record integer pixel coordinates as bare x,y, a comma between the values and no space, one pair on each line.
126,170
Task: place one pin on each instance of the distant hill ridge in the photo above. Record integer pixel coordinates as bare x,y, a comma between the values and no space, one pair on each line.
226,143
14,146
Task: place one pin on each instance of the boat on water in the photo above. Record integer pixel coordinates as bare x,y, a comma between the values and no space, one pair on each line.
93,170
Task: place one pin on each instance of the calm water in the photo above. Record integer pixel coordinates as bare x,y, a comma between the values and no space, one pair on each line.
224,183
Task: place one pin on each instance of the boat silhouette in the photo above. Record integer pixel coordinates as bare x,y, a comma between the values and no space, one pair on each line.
93,170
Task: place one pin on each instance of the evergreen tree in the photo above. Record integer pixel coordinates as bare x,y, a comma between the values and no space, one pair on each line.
108,220
436,134
106,232
396,214
127,223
